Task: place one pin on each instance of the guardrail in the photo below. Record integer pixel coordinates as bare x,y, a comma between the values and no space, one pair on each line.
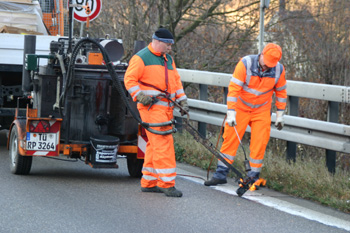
329,134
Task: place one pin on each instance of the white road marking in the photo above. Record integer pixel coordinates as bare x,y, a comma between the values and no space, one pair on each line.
280,205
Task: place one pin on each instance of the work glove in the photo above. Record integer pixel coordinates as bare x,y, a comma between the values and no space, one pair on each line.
279,120
144,99
231,118
184,106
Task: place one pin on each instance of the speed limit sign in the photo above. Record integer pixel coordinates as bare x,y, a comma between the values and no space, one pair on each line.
80,12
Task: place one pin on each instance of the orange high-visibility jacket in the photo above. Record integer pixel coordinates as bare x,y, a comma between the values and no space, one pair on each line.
148,67
252,90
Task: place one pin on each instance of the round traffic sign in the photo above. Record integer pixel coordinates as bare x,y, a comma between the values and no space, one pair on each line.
80,13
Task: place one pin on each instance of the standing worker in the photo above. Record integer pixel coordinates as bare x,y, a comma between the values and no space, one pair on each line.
152,71
255,79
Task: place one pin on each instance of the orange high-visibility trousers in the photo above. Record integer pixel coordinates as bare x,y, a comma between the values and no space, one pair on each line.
159,167
260,124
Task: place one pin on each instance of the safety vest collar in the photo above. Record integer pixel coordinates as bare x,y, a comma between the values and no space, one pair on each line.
255,70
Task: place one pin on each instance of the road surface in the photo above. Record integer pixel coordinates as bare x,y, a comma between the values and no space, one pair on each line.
61,196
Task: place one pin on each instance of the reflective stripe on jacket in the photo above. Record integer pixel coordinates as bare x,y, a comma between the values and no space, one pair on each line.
148,67
251,89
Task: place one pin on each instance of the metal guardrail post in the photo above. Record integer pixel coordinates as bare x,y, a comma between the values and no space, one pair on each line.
293,111
225,95
178,124
203,95
332,116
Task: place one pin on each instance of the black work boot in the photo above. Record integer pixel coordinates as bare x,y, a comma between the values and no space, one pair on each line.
214,181
154,189
171,192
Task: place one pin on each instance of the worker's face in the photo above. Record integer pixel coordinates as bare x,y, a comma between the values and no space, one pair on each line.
262,64
162,47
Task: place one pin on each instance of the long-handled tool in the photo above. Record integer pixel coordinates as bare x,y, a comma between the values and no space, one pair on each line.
254,184
246,161
244,183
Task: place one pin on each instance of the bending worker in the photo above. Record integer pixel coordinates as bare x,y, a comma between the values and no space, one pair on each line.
255,79
152,71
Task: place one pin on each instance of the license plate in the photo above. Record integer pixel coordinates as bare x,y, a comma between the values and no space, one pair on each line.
41,141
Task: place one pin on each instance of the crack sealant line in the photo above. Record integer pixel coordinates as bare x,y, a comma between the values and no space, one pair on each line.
283,206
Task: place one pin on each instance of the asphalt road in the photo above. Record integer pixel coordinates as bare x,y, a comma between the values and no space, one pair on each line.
60,196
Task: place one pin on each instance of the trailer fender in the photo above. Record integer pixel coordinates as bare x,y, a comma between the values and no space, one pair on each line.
21,127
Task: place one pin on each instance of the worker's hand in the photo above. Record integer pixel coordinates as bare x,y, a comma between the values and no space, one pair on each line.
279,120
231,118
144,99
184,106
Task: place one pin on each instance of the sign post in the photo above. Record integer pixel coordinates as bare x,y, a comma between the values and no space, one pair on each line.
263,4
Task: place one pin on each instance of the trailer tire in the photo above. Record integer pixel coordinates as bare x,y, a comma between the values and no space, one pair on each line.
134,166
20,165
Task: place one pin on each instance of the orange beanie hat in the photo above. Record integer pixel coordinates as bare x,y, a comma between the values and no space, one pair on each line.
272,53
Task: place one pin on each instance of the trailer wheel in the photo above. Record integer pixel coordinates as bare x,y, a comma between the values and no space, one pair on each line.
134,166
20,165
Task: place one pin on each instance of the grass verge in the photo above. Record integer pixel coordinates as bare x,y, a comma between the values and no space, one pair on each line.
307,178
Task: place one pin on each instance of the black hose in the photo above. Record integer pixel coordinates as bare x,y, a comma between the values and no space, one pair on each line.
116,84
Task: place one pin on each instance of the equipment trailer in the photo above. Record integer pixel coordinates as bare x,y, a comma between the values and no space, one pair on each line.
71,108
67,98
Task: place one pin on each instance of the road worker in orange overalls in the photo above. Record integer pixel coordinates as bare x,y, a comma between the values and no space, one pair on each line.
152,71
255,79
